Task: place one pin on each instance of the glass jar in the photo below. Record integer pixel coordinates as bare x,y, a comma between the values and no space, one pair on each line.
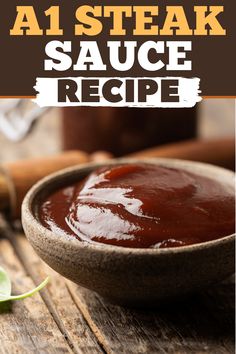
125,130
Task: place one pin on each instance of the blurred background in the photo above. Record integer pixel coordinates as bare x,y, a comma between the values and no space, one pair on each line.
205,133
213,118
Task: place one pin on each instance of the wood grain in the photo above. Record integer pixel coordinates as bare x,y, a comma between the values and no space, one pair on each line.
26,326
200,324
182,327
58,300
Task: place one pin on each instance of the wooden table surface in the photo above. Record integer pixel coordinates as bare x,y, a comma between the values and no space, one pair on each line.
65,318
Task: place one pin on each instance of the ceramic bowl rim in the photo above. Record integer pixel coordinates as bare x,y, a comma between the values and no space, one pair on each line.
28,215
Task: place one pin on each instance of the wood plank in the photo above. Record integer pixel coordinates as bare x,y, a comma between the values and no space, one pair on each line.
201,324
59,301
26,327
220,302
185,327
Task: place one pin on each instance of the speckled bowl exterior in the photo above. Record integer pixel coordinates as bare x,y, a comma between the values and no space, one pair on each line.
125,275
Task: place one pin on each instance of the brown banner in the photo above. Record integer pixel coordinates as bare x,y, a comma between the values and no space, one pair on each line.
22,56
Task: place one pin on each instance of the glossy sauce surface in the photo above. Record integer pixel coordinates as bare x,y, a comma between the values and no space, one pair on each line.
141,206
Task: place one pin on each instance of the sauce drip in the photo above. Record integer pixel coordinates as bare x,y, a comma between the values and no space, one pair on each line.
142,206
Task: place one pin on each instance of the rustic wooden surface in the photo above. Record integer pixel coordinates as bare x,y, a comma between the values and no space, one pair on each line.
65,318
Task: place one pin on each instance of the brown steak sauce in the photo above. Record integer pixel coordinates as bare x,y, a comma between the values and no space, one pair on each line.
141,206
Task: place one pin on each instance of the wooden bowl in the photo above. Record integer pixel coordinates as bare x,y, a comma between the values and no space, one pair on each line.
126,275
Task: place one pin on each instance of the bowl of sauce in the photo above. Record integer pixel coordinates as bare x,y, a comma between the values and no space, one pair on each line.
135,231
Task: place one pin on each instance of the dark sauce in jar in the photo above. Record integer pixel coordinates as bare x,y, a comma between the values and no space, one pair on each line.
142,206
124,130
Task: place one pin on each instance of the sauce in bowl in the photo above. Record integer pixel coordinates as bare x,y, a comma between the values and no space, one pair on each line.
141,205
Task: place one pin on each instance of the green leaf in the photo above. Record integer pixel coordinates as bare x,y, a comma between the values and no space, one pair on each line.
5,284
5,288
